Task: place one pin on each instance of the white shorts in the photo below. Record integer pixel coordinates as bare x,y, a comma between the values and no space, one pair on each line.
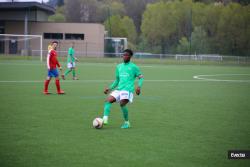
122,94
70,65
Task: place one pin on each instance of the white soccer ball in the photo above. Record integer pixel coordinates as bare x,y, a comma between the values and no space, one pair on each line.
98,123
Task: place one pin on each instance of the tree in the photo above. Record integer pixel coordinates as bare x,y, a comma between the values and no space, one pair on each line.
199,41
183,47
117,8
130,29
59,16
160,24
117,27
72,10
233,30
134,9
85,11
121,27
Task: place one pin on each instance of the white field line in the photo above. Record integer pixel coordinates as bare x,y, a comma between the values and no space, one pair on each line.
195,78
92,81
103,81
69,81
78,64
204,77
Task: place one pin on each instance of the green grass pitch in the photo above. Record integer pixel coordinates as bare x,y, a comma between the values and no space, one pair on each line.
177,121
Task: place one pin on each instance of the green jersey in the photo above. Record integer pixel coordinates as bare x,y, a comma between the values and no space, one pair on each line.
71,53
126,74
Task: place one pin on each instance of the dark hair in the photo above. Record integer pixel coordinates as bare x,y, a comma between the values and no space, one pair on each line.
54,42
129,51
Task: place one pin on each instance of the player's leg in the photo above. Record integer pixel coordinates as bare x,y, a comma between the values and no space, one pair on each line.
69,69
66,72
57,82
74,73
110,99
46,83
46,86
124,110
125,97
58,87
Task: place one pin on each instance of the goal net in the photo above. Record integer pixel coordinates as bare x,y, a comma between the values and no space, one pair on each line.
21,45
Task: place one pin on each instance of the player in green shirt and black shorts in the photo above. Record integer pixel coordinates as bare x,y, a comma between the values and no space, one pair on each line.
71,63
123,87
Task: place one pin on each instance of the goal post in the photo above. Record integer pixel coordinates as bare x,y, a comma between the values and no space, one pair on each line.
19,44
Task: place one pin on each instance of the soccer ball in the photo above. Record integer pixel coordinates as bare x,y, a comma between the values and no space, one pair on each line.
98,123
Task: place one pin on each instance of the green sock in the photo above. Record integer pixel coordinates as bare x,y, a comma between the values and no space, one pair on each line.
107,107
74,72
125,112
67,72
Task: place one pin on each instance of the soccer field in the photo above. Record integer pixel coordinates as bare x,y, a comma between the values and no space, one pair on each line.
187,115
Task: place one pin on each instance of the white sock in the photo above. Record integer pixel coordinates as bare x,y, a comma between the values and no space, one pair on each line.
105,118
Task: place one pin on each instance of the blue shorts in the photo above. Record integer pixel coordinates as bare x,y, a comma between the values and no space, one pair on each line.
53,73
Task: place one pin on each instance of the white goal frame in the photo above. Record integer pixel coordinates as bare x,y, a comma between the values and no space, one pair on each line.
26,37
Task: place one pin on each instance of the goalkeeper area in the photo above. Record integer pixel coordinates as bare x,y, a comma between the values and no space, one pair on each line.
187,115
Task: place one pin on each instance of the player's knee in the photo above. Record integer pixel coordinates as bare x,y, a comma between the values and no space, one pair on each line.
110,99
123,102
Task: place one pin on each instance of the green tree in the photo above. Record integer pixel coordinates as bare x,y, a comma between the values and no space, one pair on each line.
121,27
59,16
129,26
134,9
183,47
199,41
115,24
233,30
117,8
159,23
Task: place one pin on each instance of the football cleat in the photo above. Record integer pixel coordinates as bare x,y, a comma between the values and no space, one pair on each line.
61,92
126,125
105,120
46,92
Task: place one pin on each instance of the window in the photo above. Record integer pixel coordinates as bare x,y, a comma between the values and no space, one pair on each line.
53,35
74,36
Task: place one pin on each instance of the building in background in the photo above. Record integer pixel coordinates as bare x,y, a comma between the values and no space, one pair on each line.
31,18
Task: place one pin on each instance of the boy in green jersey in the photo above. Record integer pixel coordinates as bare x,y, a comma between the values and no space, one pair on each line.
123,87
71,65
